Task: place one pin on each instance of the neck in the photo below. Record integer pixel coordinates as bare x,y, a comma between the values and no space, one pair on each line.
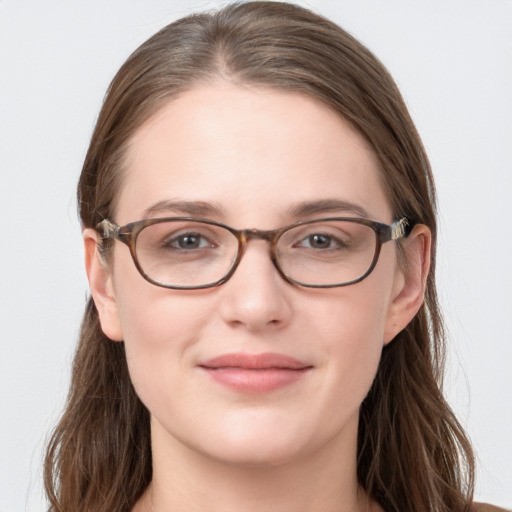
185,479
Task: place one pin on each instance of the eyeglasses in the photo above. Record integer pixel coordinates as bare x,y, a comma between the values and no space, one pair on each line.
186,253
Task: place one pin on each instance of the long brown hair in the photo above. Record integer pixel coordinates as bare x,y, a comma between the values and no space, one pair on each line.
412,453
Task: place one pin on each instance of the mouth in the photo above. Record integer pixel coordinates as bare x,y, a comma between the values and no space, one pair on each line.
255,373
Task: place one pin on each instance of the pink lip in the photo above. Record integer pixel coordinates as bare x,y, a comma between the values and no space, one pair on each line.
255,373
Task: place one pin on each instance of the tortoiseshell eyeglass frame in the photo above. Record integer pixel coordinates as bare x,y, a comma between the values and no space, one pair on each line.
128,235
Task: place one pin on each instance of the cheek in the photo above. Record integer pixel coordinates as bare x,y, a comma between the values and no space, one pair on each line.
159,327
349,328
353,347
352,318
160,339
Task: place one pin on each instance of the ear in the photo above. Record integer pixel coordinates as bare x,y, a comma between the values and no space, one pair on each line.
410,282
100,283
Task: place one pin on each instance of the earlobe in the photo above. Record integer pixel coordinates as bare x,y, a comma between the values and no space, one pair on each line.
100,284
411,282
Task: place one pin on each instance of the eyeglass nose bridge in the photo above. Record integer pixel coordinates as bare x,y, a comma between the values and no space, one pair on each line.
271,236
258,234
245,236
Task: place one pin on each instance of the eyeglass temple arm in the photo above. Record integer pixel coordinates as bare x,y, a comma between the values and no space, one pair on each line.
108,228
400,229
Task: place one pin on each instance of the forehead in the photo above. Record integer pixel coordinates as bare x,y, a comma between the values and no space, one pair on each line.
254,153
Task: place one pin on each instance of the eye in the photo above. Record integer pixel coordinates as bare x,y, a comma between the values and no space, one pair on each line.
321,241
187,241
318,241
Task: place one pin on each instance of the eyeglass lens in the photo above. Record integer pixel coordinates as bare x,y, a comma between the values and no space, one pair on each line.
193,253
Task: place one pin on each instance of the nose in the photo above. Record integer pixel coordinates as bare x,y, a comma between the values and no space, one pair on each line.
256,296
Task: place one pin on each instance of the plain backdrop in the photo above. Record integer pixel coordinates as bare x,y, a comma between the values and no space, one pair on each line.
453,62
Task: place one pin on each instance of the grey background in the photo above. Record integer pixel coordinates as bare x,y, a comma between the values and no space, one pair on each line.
452,60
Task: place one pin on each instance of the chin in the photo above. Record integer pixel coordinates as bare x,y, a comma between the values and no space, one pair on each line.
258,446
255,457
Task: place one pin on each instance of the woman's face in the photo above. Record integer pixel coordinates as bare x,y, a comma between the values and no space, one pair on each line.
250,158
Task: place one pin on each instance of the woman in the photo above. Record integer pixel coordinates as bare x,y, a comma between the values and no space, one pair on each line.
270,338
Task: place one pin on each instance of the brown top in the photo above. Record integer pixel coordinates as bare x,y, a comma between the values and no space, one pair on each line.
485,507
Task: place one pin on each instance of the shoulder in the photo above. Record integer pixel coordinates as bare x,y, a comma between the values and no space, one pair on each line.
485,507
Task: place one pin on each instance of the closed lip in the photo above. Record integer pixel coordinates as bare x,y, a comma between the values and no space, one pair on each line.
255,373
263,361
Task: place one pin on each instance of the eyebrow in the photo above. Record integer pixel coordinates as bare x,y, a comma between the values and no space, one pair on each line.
208,209
308,208
186,208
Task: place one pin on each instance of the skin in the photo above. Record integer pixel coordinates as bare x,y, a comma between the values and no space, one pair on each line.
254,153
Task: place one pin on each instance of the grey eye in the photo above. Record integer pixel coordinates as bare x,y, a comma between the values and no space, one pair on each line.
187,241
319,241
